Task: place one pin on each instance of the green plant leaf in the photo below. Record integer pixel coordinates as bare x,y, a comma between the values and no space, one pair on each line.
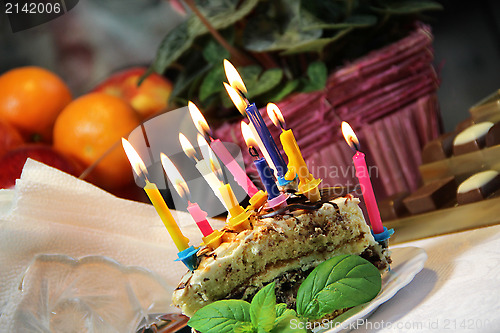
221,316
194,69
244,327
408,7
212,83
281,91
267,81
172,46
316,45
340,282
318,74
282,312
283,322
258,83
221,13
280,25
262,308
354,21
214,53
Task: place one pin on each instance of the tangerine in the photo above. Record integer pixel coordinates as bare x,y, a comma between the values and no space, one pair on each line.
31,98
89,129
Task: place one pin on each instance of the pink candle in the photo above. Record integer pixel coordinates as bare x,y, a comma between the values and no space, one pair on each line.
364,180
367,190
200,217
221,151
238,173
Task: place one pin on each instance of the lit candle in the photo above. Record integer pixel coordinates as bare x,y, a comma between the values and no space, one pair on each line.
187,254
180,185
276,199
239,217
235,89
380,232
211,237
221,151
206,167
256,201
296,165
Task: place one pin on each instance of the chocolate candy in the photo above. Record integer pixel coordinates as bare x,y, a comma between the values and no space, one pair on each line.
493,136
438,149
431,196
464,124
472,138
478,187
393,207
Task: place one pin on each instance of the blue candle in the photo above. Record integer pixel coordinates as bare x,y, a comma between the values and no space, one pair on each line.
268,141
266,175
275,199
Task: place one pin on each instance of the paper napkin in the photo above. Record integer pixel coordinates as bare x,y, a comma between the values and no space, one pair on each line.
50,212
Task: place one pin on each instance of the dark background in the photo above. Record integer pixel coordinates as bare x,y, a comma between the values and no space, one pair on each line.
467,53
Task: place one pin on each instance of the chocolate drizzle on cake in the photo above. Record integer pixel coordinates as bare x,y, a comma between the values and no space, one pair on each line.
300,202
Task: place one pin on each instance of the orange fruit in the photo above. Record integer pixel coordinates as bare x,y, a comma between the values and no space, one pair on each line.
89,128
148,99
31,98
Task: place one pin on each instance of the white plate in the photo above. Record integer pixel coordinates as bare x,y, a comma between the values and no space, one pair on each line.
406,263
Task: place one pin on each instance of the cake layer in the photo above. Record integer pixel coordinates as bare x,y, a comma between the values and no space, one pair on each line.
274,247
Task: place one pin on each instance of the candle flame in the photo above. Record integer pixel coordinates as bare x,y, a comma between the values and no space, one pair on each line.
233,77
235,96
175,177
215,167
274,112
248,135
198,119
135,160
349,136
209,156
187,147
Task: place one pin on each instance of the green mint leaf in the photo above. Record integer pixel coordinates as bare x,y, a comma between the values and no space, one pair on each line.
262,308
221,316
286,320
340,282
244,327
281,309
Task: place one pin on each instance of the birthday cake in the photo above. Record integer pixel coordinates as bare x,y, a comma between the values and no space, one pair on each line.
283,249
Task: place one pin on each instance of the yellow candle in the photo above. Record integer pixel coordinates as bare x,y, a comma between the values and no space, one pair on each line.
238,220
229,198
296,165
161,207
295,158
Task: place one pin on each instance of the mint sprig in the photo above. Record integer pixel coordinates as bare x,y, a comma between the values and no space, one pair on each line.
340,282
263,315
221,317
263,308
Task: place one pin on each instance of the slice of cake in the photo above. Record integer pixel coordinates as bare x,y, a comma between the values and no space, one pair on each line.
283,248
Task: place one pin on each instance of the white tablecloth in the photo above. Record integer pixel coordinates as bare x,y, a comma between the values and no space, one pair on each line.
457,291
